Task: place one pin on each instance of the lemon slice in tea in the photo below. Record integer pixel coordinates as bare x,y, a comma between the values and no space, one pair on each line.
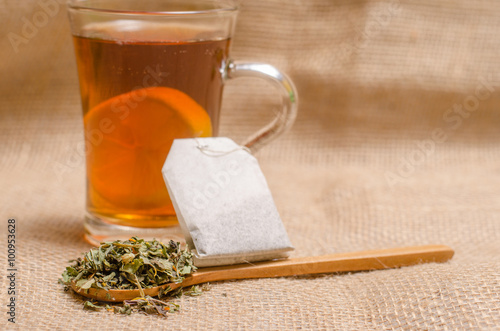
124,167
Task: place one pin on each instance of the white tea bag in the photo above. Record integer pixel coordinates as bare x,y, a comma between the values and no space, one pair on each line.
224,206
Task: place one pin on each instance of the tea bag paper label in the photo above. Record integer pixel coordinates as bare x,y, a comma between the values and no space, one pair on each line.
223,203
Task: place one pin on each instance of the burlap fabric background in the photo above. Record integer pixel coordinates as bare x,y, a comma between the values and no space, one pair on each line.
397,143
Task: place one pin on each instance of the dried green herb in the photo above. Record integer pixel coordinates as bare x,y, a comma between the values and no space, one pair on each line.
149,305
196,290
131,264
89,305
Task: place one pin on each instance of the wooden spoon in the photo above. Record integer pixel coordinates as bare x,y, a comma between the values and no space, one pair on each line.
355,261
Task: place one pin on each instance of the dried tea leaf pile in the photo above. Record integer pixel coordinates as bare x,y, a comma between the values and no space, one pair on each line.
131,264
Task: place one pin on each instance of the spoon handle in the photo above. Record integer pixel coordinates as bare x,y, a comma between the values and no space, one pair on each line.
343,262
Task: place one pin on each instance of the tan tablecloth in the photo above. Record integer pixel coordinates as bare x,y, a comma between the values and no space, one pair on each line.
397,143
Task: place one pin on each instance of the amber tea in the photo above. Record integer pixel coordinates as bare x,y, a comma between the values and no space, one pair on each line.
139,93
152,71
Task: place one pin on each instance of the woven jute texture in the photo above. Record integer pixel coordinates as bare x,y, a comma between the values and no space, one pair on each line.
397,144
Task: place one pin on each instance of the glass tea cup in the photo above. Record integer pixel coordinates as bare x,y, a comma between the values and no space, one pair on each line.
152,71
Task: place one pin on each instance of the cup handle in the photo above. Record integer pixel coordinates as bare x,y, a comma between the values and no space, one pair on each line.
285,117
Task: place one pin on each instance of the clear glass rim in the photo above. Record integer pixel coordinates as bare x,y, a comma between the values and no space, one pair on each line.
226,6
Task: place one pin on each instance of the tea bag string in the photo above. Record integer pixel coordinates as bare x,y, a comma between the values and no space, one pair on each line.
211,152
